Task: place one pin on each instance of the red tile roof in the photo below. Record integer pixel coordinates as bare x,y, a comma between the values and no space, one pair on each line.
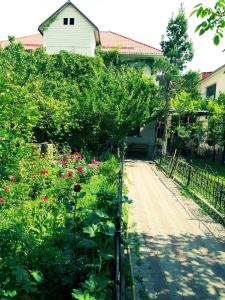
109,41
205,74
30,42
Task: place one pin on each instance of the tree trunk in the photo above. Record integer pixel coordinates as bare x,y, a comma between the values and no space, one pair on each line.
166,128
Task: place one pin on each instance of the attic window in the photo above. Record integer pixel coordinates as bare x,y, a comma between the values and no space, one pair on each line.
71,21
65,21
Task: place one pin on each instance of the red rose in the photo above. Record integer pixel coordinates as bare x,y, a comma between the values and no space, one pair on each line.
2,200
45,198
13,179
77,188
80,169
6,188
44,172
70,174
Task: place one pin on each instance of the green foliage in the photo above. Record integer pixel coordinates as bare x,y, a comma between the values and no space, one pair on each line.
53,239
48,23
177,47
72,94
212,19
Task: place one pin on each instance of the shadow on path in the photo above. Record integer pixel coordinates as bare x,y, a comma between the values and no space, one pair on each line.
179,267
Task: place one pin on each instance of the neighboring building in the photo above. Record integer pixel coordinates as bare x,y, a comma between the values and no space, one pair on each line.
70,30
213,83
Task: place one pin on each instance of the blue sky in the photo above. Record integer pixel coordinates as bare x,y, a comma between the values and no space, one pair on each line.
143,20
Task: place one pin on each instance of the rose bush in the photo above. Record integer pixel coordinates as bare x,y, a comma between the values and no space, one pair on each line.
56,228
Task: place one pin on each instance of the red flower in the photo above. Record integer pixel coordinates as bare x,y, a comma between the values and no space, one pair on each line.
80,169
93,160
13,179
33,175
2,200
63,161
77,188
6,188
45,198
44,172
70,174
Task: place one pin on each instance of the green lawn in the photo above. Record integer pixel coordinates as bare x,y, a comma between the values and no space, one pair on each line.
215,168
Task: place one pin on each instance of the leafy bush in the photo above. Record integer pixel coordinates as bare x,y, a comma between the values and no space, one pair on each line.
78,100
57,230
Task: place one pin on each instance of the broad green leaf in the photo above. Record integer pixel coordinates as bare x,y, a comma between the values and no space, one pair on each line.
10,294
91,230
216,40
79,295
37,275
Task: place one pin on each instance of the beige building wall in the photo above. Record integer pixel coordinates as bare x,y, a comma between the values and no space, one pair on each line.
78,38
217,78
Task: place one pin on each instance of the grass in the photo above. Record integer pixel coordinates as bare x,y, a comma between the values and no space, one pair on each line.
214,168
193,191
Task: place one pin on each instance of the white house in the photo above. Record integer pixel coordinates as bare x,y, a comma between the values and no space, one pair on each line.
70,30
213,83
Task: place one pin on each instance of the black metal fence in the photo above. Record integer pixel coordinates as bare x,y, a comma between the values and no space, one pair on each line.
118,240
208,185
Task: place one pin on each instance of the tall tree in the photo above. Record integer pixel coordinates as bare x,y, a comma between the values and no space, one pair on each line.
178,49
176,45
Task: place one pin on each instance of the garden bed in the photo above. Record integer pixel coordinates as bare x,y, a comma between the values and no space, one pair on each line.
57,228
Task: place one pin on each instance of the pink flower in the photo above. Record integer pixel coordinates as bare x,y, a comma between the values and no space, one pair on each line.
2,200
13,179
6,188
93,160
44,172
45,198
80,169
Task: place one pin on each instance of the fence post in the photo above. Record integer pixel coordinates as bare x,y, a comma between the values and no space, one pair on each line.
118,252
189,175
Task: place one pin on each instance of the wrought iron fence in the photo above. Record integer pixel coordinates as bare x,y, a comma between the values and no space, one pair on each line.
210,186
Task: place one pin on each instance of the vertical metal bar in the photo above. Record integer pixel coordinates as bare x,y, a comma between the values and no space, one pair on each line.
118,252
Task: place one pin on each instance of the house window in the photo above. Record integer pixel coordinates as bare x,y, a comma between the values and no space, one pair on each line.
211,91
65,21
71,21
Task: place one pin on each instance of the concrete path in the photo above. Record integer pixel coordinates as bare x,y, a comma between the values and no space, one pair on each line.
177,251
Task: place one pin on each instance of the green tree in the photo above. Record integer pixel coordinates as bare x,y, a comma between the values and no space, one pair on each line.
176,45
178,50
211,19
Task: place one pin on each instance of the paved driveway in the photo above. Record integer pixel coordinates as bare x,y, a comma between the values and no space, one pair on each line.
182,252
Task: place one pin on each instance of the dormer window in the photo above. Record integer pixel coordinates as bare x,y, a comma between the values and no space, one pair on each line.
68,21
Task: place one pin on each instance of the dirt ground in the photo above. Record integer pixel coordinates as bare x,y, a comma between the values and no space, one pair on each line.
177,251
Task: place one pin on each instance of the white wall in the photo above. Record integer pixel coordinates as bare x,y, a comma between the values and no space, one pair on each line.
218,78
79,38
